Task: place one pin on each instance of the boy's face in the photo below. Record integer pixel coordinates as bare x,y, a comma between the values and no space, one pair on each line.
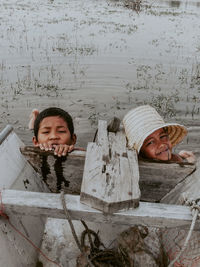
54,131
157,146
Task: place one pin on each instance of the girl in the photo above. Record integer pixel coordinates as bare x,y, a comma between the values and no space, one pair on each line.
152,138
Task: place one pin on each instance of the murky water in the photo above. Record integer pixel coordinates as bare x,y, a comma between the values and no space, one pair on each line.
98,59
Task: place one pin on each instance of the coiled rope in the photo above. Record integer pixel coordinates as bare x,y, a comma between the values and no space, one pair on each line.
97,256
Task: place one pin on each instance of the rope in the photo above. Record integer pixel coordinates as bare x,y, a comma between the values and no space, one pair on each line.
101,257
3,214
68,217
89,235
195,210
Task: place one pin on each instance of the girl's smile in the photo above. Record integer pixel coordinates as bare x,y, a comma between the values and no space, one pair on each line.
157,146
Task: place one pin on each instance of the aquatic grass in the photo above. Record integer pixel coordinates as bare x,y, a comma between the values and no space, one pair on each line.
195,108
168,13
135,5
195,76
82,50
183,76
94,117
166,104
75,47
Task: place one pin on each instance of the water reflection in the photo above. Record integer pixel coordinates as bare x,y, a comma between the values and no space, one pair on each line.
98,59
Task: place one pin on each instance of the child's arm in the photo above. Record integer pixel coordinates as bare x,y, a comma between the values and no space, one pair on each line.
188,155
59,150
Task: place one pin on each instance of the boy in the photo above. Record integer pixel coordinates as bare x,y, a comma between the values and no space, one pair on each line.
152,137
53,130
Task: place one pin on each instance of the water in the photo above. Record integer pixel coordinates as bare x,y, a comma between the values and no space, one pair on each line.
97,59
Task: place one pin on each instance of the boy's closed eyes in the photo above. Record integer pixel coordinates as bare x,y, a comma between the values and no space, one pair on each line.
150,141
47,130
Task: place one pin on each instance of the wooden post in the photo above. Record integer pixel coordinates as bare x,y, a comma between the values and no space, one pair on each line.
111,174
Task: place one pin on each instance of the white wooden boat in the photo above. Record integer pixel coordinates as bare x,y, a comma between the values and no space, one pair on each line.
17,174
39,214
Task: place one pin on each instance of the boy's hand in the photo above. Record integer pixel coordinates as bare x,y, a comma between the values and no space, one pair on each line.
188,155
59,150
62,150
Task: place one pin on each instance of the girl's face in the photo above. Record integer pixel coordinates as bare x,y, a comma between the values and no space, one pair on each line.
54,131
157,146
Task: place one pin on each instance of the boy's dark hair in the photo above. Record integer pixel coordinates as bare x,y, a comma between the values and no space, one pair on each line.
53,111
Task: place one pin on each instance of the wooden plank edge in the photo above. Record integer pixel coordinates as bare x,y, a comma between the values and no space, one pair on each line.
110,207
25,150
49,204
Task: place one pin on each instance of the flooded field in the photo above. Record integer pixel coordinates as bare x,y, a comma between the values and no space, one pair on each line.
98,58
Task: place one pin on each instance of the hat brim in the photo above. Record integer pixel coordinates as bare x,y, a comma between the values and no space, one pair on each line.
176,133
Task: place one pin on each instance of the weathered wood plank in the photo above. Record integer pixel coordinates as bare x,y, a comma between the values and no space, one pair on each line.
102,136
158,179
58,173
111,176
189,188
173,239
49,204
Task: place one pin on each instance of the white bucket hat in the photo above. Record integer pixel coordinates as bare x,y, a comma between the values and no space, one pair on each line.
142,121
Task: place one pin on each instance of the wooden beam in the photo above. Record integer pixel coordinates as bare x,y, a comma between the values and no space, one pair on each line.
49,204
156,179
31,150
